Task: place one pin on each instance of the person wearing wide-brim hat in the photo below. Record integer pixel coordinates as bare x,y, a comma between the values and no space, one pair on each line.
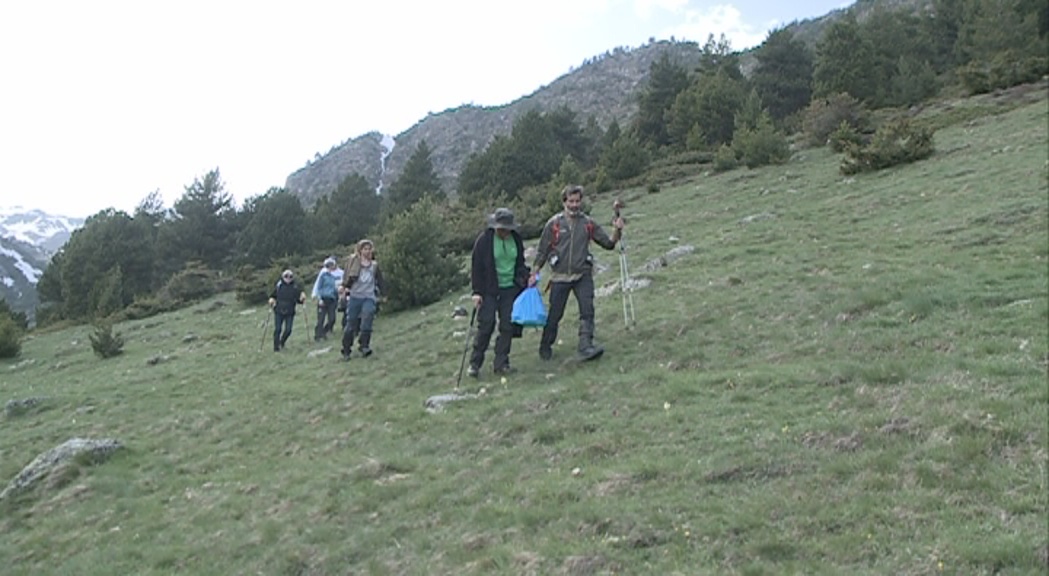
497,275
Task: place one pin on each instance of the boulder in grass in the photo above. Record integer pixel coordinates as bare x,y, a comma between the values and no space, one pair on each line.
19,407
95,451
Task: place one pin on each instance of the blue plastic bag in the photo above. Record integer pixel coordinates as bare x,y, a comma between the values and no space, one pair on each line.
529,309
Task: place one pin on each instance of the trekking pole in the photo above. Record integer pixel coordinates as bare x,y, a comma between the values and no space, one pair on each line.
624,274
265,328
466,348
306,317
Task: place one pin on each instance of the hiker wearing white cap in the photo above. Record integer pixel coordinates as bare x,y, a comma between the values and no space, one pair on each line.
326,295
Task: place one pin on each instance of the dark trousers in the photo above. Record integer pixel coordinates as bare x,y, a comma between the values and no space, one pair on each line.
325,317
493,305
583,288
282,328
360,312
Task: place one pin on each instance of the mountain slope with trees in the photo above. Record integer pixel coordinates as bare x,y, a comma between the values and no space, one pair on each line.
667,111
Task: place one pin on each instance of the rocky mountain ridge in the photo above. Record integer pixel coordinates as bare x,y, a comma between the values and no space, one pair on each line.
604,86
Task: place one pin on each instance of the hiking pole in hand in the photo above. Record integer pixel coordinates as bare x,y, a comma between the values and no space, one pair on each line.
624,274
265,328
466,348
306,317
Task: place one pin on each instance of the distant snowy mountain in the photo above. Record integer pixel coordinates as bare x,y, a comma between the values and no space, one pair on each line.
28,238
36,227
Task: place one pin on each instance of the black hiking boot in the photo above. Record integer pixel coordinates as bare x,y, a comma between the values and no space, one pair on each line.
473,371
364,344
591,353
546,354
587,349
505,370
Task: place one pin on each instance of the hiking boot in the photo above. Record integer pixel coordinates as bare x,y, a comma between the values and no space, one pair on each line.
545,354
365,351
591,352
473,371
504,370
346,356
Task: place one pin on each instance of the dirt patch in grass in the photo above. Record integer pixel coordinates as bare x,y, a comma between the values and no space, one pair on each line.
614,485
901,425
745,473
585,566
827,441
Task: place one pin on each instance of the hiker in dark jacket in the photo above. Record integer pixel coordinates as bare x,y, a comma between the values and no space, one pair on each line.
497,275
565,244
285,296
362,285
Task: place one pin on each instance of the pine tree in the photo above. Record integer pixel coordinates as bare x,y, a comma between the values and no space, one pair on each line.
200,227
844,62
666,79
349,214
108,241
783,76
418,179
276,227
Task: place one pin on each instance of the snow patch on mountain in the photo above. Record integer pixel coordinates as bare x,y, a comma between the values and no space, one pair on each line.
36,227
30,273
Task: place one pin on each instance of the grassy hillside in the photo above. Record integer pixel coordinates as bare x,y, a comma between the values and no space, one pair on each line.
847,376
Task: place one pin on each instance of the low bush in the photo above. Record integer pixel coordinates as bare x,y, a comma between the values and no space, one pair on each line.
825,115
19,318
10,338
761,145
895,143
147,306
725,159
105,342
1005,70
415,270
844,136
195,282
252,285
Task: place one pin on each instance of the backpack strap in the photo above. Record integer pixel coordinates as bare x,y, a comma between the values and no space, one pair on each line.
556,229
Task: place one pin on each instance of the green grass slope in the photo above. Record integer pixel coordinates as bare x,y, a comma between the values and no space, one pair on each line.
846,376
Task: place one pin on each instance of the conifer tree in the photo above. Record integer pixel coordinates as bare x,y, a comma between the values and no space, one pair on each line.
418,179
845,62
666,79
783,76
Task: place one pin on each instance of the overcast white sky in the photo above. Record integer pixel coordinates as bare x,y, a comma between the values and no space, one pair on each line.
105,101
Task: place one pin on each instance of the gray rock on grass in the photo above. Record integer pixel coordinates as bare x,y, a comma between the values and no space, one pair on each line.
95,450
436,403
18,407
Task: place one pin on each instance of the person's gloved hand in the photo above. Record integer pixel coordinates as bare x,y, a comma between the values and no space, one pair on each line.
272,302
